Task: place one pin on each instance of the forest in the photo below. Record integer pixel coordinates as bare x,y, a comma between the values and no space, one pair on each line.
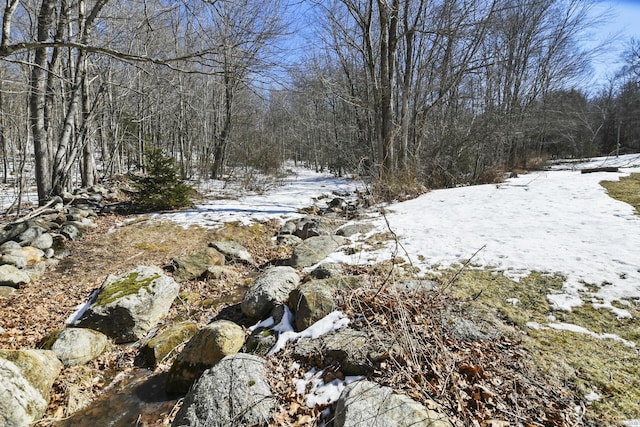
435,93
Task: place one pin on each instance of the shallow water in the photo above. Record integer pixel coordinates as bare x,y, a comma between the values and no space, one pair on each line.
138,400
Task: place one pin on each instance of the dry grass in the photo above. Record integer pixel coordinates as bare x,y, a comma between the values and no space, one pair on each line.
116,246
627,189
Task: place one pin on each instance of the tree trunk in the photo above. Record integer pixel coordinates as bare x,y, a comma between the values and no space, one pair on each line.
37,102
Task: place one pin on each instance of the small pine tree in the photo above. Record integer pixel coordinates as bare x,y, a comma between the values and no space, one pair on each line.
161,187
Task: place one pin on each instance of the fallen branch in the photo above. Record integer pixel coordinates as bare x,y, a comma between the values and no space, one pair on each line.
600,169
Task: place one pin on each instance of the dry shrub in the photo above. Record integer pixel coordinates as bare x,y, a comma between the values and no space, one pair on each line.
473,381
397,187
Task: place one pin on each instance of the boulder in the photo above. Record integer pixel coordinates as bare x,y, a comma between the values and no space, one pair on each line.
367,404
270,288
235,392
326,270
233,252
355,351
77,346
193,266
221,272
166,341
13,277
351,229
10,231
29,235
128,306
43,241
312,226
26,377
288,240
315,249
207,347
260,341
70,231
311,302
30,254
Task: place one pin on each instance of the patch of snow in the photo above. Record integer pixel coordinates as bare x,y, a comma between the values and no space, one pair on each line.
592,397
580,330
317,392
331,322
280,202
81,309
535,325
266,323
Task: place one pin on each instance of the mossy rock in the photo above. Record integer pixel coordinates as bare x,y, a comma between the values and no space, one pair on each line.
166,341
210,345
26,377
193,266
128,306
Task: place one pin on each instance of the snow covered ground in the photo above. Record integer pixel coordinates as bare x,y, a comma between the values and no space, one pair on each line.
556,221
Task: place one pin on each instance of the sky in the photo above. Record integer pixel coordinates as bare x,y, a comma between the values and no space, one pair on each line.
624,24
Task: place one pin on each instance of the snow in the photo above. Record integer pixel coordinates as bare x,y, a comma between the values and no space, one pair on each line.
317,392
331,322
558,221
299,190
81,309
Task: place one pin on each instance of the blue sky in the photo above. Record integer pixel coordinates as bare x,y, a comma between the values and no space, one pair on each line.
625,24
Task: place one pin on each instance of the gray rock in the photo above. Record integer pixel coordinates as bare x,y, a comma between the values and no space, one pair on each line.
70,231
326,270
260,341
9,245
29,235
315,249
128,306
30,255
311,302
288,240
235,392
43,241
312,226
13,277
10,231
221,272
14,260
82,224
367,404
356,351
77,346
288,227
26,377
233,252
270,288
207,347
351,229
193,266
